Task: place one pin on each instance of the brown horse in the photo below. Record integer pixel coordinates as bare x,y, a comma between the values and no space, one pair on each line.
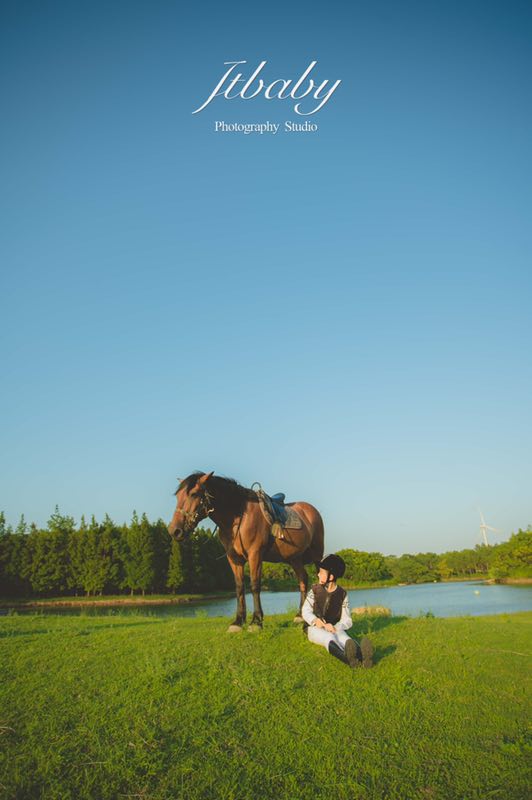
246,535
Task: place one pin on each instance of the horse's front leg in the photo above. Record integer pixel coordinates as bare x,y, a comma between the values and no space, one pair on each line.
302,577
238,572
255,574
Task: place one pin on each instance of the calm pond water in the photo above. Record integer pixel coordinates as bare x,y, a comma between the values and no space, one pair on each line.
440,599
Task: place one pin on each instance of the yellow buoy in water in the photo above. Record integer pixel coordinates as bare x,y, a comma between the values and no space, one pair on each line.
477,591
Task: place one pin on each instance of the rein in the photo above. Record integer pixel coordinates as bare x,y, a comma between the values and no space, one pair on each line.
209,499
206,507
224,555
239,534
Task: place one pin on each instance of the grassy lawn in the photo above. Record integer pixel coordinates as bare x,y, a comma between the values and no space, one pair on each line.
144,707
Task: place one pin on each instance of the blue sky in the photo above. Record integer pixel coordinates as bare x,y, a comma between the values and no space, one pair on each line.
343,315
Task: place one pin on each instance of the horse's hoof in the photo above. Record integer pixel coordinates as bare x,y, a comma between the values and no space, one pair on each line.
234,629
254,627
298,620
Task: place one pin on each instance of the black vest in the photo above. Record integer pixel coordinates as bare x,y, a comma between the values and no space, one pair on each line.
328,605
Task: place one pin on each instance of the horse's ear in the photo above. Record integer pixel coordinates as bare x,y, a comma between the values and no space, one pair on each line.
204,478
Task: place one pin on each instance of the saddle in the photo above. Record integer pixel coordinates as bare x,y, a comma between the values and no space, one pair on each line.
276,514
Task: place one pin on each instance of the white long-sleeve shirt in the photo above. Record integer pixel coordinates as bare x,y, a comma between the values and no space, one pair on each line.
307,612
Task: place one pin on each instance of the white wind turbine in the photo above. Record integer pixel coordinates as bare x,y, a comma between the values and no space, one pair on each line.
484,528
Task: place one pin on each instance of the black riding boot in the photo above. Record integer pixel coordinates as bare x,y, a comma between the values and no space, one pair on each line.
350,656
367,653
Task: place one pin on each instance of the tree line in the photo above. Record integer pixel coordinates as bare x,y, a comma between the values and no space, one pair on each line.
511,559
97,558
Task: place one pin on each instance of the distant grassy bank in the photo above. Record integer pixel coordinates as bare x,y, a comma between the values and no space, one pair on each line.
291,584
168,709
111,600
176,599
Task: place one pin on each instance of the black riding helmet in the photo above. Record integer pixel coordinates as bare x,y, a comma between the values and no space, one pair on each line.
334,564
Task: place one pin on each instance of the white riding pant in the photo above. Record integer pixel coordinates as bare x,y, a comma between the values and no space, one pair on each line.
323,637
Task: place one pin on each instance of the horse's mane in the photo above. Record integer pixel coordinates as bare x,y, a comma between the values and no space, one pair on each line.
231,488
190,481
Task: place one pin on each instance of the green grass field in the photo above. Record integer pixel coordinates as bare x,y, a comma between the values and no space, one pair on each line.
144,707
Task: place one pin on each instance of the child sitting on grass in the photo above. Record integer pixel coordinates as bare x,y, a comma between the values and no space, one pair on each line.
327,616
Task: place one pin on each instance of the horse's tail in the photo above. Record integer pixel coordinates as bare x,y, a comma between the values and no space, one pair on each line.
314,552
319,540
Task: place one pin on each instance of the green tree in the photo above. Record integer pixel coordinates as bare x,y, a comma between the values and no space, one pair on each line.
11,559
97,560
281,575
513,559
162,546
139,555
91,557
22,526
109,551
430,562
484,555
444,569
362,567
204,563
76,558
4,527
46,560
409,569
176,578
5,532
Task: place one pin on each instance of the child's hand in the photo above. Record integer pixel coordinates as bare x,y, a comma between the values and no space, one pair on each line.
329,627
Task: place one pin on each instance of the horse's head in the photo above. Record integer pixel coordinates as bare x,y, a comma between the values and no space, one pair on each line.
194,503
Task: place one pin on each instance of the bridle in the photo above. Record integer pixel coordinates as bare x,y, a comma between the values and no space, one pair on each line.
205,507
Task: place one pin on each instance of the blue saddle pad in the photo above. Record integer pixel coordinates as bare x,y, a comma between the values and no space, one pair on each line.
279,510
275,511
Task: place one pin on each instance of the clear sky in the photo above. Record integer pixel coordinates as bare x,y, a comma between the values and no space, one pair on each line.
341,315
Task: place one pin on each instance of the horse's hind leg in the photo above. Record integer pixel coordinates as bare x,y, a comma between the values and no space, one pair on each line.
302,577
